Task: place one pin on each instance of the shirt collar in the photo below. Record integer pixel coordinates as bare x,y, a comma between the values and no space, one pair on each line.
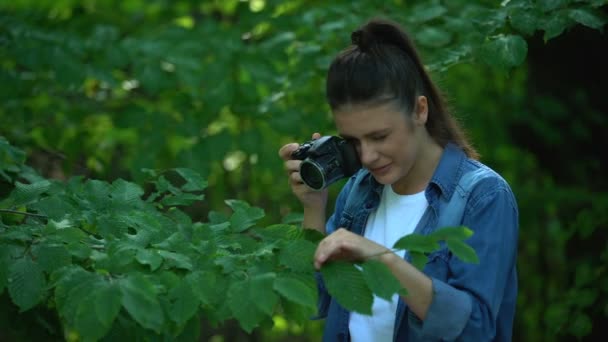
449,170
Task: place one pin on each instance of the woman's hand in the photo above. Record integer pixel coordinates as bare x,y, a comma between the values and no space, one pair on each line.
310,199
346,245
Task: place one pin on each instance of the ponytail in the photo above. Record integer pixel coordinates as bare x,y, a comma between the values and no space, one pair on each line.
382,65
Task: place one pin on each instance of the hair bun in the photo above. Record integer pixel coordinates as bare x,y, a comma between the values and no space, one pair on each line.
362,39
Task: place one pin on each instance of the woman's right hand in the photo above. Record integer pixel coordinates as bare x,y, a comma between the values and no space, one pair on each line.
310,199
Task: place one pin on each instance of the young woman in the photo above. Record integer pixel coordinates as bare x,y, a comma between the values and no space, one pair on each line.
419,174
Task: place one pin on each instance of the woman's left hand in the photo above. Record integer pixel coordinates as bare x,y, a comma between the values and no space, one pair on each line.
345,245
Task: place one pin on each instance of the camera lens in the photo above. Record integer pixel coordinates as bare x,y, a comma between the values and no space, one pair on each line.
312,175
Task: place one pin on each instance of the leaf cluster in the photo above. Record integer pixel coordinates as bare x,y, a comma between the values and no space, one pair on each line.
112,259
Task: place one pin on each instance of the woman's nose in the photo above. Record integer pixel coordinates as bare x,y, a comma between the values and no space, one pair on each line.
367,154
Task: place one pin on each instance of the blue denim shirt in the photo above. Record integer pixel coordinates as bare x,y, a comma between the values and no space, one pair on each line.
471,302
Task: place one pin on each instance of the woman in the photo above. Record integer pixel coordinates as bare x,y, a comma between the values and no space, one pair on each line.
419,173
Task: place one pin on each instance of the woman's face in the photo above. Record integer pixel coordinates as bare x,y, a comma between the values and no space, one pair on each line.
388,141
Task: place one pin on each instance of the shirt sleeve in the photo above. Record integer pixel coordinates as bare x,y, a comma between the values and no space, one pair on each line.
465,307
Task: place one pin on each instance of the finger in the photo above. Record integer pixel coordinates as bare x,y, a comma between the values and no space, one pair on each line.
292,165
295,178
286,151
324,250
316,135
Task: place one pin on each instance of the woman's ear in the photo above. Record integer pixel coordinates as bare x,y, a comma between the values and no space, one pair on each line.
422,110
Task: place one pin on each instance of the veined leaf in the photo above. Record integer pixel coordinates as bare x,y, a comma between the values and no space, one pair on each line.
139,298
52,257
380,279
505,51
72,286
417,243
346,284
463,251
591,18
244,215
525,20
458,233
26,283
183,307
204,286
194,181
298,255
296,291
176,260
126,193
28,193
555,24
97,310
279,232
97,193
252,300
149,257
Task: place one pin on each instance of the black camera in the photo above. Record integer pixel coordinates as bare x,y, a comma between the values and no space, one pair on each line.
326,160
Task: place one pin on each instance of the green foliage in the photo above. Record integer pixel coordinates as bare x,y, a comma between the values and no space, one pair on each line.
124,257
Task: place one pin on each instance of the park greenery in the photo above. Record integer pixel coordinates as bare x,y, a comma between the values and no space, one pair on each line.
142,197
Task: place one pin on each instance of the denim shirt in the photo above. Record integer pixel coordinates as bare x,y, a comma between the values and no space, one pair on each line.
471,302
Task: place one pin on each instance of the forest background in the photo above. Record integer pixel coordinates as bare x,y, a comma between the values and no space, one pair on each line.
112,90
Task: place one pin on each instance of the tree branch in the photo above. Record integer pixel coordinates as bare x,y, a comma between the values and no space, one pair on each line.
9,211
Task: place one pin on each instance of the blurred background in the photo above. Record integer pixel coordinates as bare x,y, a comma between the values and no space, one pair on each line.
106,88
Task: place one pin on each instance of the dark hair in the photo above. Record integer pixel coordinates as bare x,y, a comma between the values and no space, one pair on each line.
382,65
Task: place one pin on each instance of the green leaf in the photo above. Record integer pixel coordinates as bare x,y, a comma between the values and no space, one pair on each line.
97,193
8,253
4,265
550,5
458,233
244,215
28,193
555,25
181,199
72,285
149,257
126,193
417,243
52,257
426,12
504,51
296,291
298,256
418,259
139,298
276,232
525,20
252,300
183,307
26,283
205,285
463,251
380,279
241,221
194,181
97,310
591,18
346,284
433,37
176,260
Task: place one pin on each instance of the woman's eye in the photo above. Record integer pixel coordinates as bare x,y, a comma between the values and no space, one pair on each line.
379,137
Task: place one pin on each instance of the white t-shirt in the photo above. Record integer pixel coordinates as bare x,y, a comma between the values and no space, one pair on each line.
396,216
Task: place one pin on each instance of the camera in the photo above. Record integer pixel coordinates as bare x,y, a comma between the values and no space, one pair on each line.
326,160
